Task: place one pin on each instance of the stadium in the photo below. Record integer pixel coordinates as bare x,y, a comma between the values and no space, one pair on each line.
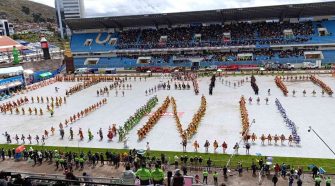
246,36
231,86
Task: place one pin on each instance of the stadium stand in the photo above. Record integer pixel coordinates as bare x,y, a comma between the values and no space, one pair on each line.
275,34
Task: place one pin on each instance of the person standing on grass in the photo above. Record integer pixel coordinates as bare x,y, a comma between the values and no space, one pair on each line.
236,147
224,147
148,149
207,144
247,147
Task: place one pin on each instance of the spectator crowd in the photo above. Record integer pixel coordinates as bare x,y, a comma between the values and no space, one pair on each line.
243,33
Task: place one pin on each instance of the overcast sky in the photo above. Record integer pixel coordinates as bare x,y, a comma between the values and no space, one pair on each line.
132,7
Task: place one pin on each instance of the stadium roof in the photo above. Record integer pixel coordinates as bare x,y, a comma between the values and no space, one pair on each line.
220,15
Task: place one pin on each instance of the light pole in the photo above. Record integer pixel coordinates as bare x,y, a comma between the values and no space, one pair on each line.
311,129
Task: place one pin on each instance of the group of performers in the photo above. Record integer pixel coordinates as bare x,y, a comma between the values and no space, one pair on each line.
115,85
110,134
14,105
183,76
40,99
314,79
276,138
58,102
40,84
244,117
228,83
295,78
84,112
289,123
153,119
207,144
9,106
193,126
258,100
160,86
281,85
135,118
182,86
325,88
304,92
81,86
23,138
100,78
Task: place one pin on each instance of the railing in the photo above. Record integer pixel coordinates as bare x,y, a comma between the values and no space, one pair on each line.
61,178
107,64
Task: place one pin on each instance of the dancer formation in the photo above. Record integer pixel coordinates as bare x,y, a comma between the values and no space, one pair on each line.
133,120
13,106
289,123
83,113
254,85
41,84
193,126
234,84
246,128
123,130
81,86
323,85
281,85
325,88
244,118
153,119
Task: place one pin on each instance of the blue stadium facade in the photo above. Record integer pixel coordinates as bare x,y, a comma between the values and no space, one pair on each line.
275,34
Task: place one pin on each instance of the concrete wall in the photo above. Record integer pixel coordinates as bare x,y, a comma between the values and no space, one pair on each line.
51,64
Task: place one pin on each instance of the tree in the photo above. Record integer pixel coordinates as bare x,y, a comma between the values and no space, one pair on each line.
25,10
38,17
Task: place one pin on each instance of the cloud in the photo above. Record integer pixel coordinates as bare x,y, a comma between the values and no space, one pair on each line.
95,8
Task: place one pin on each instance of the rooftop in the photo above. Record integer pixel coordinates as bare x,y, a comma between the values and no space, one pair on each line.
220,15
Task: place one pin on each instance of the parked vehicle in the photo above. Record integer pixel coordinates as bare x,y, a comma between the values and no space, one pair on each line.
309,65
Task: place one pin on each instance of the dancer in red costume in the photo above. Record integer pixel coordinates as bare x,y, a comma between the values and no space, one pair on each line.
81,135
114,129
110,134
